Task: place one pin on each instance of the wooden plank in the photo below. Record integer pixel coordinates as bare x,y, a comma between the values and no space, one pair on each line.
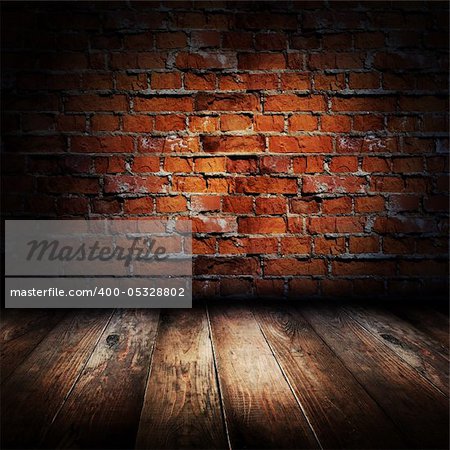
427,320
104,406
416,348
418,410
339,409
182,404
38,387
21,332
260,409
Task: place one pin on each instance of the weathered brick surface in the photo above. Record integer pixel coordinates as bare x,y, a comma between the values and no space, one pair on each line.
307,141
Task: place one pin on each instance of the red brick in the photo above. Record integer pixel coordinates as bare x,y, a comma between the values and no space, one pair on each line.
364,80
327,60
204,246
368,122
340,164
237,204
133,184
352,268
171,40
205,203
210,165
103,206
292,102
246,81
325,245
188,184
292,266
166,80
387,104
336,123
226,266
271,205
369,204
308,164
178,165
138,124
104,123
240,246
269,123
261,225
161,103
170,122
203,39
143,164
274,164
261,61
86,102
296,245
340,205
338,224
143,205
104,144
206,60
241,165
300,144
200,81
235,122
62,185
329,82
227,144
265,185
364,244
107,164
227,102
203,123
302,286
303,122
205,224
308,205
296,81
332,184
171,204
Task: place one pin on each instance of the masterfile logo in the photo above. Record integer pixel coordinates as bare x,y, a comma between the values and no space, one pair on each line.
98,263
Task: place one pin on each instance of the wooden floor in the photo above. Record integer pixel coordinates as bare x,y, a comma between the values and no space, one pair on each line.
226,376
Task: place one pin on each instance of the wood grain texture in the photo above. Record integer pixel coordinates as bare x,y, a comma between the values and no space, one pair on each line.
32,397
260,408
182,405
20,333
341,412
104,406
418,410
417,349
432,322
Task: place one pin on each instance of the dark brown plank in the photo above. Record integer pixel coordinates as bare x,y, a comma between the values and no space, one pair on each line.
104,406
21,331
182,404
341,412
429,321
417,408
416,348
38,387
260,409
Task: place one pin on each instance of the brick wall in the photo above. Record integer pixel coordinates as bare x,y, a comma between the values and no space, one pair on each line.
307,141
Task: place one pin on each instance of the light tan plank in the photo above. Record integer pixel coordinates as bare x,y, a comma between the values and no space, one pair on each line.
417,408
182,405
260,408
32,397
339,409
104,406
